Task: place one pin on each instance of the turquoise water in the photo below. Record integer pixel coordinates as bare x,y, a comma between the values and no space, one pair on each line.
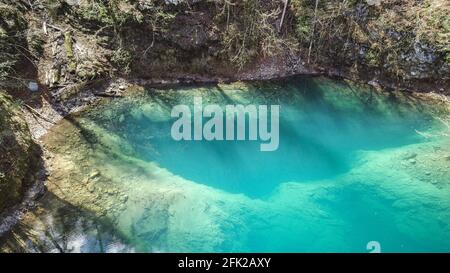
351,168
316,142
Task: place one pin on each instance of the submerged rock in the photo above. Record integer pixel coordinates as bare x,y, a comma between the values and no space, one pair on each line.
94,174
409,156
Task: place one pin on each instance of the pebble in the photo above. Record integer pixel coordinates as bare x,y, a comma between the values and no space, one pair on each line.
409,155
94,174
124,198
91,188
33,86
412,161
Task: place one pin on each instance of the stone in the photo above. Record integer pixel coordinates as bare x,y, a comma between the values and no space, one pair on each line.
94,174
409,155
373,2
33,86
124,198
91,188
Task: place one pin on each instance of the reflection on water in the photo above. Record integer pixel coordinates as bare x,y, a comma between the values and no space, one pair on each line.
350,168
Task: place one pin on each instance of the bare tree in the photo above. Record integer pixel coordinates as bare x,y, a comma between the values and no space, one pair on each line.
286,2
313,30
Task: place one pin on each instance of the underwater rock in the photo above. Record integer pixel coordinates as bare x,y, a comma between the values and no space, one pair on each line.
91,188
123,198
94,174
409,155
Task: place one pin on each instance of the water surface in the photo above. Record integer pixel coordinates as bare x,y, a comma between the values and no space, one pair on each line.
354,165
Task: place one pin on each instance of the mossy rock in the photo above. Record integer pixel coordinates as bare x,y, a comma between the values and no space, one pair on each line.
19,154
68,45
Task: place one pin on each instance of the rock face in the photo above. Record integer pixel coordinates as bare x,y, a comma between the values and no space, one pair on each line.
397,44
19,155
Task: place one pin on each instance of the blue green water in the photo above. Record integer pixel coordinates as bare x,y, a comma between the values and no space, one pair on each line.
351,167
317,141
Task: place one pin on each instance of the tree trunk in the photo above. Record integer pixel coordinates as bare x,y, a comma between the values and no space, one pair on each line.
313,30
286,2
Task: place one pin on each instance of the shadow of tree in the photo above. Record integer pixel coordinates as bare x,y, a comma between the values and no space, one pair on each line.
58,226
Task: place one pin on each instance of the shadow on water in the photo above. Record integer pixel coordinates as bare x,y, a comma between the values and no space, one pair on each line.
58,226
331,120
224,95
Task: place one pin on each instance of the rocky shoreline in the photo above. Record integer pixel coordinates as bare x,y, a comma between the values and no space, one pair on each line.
52,112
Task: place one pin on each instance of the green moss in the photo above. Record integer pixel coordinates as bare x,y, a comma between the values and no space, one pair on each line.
372,58
19,155
447,58
12,37
303,28
36,44
54,7
68,46
97,11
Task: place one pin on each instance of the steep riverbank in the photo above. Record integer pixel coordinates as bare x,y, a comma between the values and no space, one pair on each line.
66,45
20,163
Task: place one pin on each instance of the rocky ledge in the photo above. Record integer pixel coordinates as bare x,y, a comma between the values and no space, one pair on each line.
19,158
